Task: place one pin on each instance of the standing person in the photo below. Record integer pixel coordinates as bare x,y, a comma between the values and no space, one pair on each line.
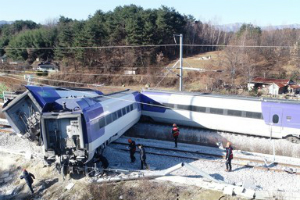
175,132
229,156
28,178
132,149
143,156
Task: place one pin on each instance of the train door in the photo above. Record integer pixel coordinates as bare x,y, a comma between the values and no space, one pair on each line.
276,121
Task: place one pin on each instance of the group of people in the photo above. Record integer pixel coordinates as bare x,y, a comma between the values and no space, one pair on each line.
175,134
132,149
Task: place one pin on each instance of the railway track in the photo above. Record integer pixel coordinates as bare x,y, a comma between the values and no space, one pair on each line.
195,155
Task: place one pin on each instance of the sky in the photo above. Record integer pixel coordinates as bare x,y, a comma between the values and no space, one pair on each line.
258,12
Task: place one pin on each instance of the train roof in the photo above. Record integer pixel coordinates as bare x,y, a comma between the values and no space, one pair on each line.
238,97
113,95
46,94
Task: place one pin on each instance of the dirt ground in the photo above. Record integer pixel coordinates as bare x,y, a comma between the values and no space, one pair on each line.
49,184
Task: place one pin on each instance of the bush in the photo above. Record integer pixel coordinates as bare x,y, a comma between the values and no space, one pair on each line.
3,87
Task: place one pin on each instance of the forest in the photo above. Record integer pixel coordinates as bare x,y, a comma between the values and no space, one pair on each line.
130,36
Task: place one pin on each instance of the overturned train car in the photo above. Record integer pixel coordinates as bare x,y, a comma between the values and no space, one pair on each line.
75,128
24,112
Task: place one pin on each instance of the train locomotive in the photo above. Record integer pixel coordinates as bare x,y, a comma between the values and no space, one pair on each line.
74,128
273,118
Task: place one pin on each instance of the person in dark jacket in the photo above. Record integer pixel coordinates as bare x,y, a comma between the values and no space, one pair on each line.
102,159
228,157
175,132
28,178
143,156
132,149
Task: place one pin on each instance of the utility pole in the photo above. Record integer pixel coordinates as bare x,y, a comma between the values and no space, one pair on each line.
181,61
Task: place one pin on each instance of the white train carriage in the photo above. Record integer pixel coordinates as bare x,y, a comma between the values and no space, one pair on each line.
245,115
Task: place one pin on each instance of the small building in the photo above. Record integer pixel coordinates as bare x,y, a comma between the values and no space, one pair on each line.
133,71
294,89
270,85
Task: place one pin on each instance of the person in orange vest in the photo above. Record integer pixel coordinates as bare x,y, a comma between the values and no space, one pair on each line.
228,157
175,132
132,149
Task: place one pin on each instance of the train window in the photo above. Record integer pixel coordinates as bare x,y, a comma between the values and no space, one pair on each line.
108,119
234,113
184,107
102,122
131,107
198,109
119,113
216,111
128,109
124,111
134,106
255,115
275,119
114,116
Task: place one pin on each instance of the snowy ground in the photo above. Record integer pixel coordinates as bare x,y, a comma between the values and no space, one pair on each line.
257,180
251,178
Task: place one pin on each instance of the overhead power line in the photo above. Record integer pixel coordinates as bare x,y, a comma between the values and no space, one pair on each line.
238,46
69,82
142,46
85,74
91,47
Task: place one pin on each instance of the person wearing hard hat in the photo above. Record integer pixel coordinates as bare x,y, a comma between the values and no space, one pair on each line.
132,149
175,133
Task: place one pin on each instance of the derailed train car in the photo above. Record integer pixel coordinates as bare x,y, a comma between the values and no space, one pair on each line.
24,112
75,127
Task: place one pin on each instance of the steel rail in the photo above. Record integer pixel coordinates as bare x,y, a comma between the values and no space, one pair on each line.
203,155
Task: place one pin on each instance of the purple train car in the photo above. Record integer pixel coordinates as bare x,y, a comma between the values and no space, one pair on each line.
247,115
